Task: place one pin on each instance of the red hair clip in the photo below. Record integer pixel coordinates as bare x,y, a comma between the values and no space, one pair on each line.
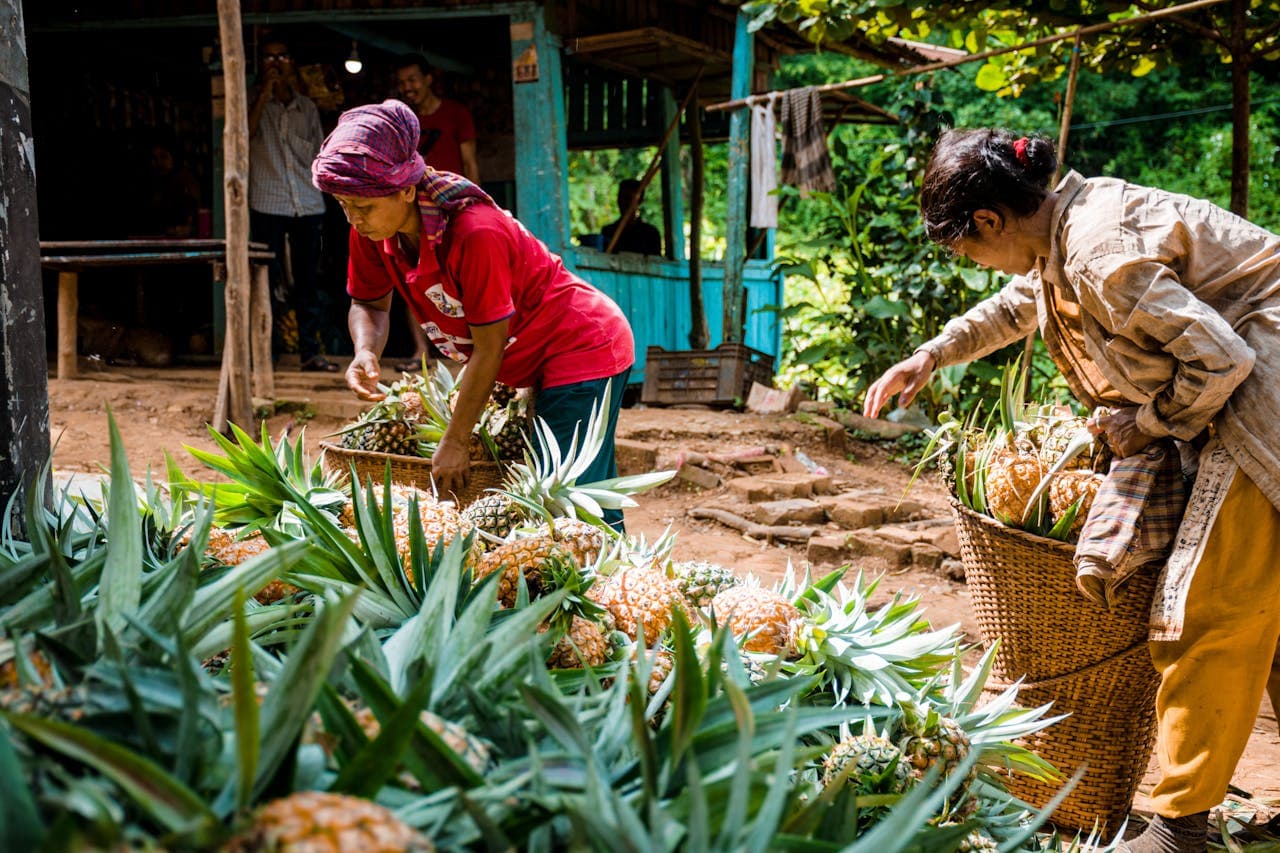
1020,150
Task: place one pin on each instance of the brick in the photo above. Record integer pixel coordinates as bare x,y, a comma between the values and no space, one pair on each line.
635,457
875,426
853,514
828,549
901,535
773,401
944,538
866,543
698,477
775,487
927,556
791,511
902,509
834,430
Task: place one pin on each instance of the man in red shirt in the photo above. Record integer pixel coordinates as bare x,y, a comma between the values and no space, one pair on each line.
486,291
446,141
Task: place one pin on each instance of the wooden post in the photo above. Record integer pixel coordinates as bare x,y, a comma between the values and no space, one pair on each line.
264,379
68,311
24,380
235,354
699,336
1068,103
735,253
672,195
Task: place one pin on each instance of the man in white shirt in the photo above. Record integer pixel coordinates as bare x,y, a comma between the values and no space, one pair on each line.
284,137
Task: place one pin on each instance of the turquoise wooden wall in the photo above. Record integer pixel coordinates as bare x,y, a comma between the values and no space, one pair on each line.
654,294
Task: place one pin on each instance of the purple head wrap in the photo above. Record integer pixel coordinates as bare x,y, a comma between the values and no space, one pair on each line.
372,152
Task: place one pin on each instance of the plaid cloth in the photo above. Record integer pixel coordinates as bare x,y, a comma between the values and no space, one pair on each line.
1133,521
441,194
372,152
805,161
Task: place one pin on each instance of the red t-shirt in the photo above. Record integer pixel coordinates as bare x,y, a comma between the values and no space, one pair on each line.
441,136
561,329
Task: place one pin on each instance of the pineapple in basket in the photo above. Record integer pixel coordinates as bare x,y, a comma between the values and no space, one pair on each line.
387,427
546,484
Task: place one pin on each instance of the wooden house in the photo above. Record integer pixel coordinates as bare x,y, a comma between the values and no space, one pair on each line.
557,76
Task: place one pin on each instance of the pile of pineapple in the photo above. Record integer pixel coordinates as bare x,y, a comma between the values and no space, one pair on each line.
1036,467
426,676
412,418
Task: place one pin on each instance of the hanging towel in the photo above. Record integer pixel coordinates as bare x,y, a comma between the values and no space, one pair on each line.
805,161
1132,522
764,166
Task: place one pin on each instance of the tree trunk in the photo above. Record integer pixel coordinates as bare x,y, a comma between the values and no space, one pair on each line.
1241,59
24,386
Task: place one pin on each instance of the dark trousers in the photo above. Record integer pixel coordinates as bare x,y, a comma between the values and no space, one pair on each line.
303,235
568,407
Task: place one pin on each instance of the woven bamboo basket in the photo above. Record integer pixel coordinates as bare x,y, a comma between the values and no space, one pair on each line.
406,470
1090,662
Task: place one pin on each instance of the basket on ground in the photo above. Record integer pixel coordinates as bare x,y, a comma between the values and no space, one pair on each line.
1091,663
407,470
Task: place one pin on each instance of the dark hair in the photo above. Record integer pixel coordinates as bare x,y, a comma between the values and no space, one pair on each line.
627,187
972,170
406,60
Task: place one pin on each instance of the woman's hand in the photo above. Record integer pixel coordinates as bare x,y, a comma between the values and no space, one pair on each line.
362,376
1119,430
450,467
905,378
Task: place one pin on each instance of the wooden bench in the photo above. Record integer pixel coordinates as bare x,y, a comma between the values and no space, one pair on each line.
71,257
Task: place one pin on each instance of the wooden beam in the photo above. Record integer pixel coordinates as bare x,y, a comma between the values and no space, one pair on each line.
24,380
672,183
1068,103
236,350
698,334
264,380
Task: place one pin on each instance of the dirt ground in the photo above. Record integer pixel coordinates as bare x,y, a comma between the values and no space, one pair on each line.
163,410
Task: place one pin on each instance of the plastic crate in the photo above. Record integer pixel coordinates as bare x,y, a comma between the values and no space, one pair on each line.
716,377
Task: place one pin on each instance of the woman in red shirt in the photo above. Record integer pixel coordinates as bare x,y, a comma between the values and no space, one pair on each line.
486,291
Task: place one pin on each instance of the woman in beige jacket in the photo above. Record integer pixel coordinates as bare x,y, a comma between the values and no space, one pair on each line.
1166,309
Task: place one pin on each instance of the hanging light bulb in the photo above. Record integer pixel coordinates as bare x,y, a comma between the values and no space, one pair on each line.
353,63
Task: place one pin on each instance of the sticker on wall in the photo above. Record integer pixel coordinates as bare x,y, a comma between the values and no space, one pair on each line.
526,66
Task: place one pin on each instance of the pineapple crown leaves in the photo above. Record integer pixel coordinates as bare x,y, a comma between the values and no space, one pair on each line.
1081,440
266,478
559,572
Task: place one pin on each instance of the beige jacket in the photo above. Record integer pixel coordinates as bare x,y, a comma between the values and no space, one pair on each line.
1157,300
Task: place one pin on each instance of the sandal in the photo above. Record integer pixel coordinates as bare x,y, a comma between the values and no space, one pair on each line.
319,364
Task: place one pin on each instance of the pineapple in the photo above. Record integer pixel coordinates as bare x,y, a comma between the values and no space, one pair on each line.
700,581
39,664
1068,487
229,549
471,750
319,822
583,645
1058,437
390,424
763,616
441,521
662,663
976,842
584,541
636,596
503,395
528,557
495,514
1012,478
932,739
879,767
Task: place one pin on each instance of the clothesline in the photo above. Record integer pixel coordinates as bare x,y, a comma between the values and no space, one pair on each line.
951,63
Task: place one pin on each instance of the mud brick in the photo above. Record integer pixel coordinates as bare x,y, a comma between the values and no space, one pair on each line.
927,556
855,513
776,487
634,457
942,537
867,543
901,510
764,400
834,430
829,549
793,511
698,477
